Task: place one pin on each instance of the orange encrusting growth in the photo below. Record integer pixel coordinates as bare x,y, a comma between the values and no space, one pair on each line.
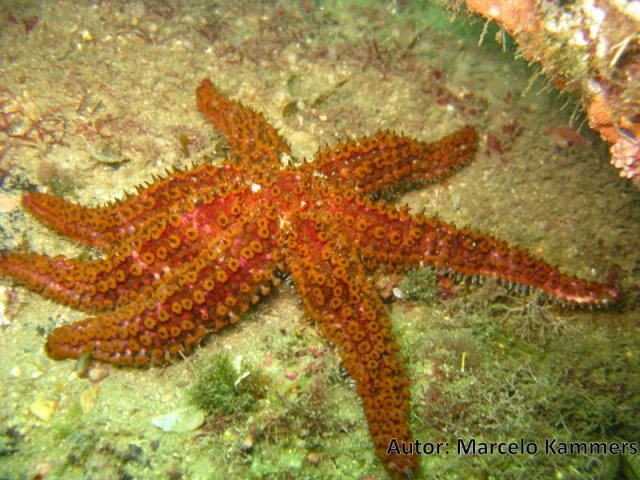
192,253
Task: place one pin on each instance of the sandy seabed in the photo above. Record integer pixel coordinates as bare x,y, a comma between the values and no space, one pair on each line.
98,97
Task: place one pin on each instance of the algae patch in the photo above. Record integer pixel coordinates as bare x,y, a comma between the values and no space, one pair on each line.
227,387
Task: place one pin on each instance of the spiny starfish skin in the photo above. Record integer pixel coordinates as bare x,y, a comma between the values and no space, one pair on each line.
192,253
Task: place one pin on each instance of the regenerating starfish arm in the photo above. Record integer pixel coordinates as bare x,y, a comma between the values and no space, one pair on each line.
337,295
251,139
386,160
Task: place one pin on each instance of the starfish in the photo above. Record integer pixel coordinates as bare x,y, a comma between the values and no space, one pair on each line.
190,254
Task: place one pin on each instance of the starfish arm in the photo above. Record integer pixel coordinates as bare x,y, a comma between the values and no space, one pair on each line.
462,250
195,297
337,295
71,282
446,247
395,240
386,160
250,137
137,263
102,226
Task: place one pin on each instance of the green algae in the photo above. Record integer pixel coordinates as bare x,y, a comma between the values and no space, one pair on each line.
419,285
226,388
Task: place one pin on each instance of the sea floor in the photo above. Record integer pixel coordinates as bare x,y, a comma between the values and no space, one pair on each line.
98,97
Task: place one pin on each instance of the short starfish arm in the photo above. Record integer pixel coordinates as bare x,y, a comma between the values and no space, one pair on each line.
250,137
398,241
102,226
386,160
205,294
337,295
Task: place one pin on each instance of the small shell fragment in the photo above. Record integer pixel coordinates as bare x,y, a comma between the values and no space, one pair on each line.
180,421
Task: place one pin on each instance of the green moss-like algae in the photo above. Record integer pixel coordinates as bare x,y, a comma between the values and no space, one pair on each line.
223,388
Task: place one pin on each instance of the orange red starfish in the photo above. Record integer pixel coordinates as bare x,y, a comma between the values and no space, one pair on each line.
192,253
